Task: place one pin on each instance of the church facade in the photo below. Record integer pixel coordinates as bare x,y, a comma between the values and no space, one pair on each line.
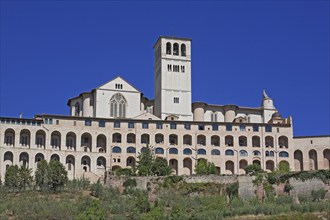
111,125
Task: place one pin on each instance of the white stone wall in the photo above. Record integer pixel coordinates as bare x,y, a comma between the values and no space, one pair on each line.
76,125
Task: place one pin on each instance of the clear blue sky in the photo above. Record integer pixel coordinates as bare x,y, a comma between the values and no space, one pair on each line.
54,50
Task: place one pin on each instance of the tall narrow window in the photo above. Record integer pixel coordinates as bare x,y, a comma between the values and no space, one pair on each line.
118,106
175,49
168,48
214,117
183,50
77,109
182,69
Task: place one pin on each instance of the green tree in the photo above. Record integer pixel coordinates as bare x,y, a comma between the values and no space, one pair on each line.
283,167
41,174
203,167
12,177
18,177
160,167
253,169
25,177
145,161
57,176
51,176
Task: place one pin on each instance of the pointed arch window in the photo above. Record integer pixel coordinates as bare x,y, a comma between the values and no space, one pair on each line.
118,105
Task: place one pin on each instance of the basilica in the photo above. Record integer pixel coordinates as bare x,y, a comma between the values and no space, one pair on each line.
109,126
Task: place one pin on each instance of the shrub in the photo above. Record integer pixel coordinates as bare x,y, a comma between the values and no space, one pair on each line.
171,181
77,184
318,195
96,189
130,183
253,169
124,172
232,190
155,213
304,198
283,200
90,209
203,167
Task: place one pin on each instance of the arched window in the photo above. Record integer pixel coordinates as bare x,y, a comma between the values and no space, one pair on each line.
256,153
215,152
70,140
130,150
283,142
40,138
229,153
55,139
143,149
243,153
255,141
187,139
168,48
8,156
229,141
118,105
269,141
175,49
271,153
201,151
10,137
173,151
116,150
242,140
159,150
183,50
101,162
25,138
187,151
55,157
284,154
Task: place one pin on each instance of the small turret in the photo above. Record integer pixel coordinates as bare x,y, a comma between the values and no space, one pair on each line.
267,102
